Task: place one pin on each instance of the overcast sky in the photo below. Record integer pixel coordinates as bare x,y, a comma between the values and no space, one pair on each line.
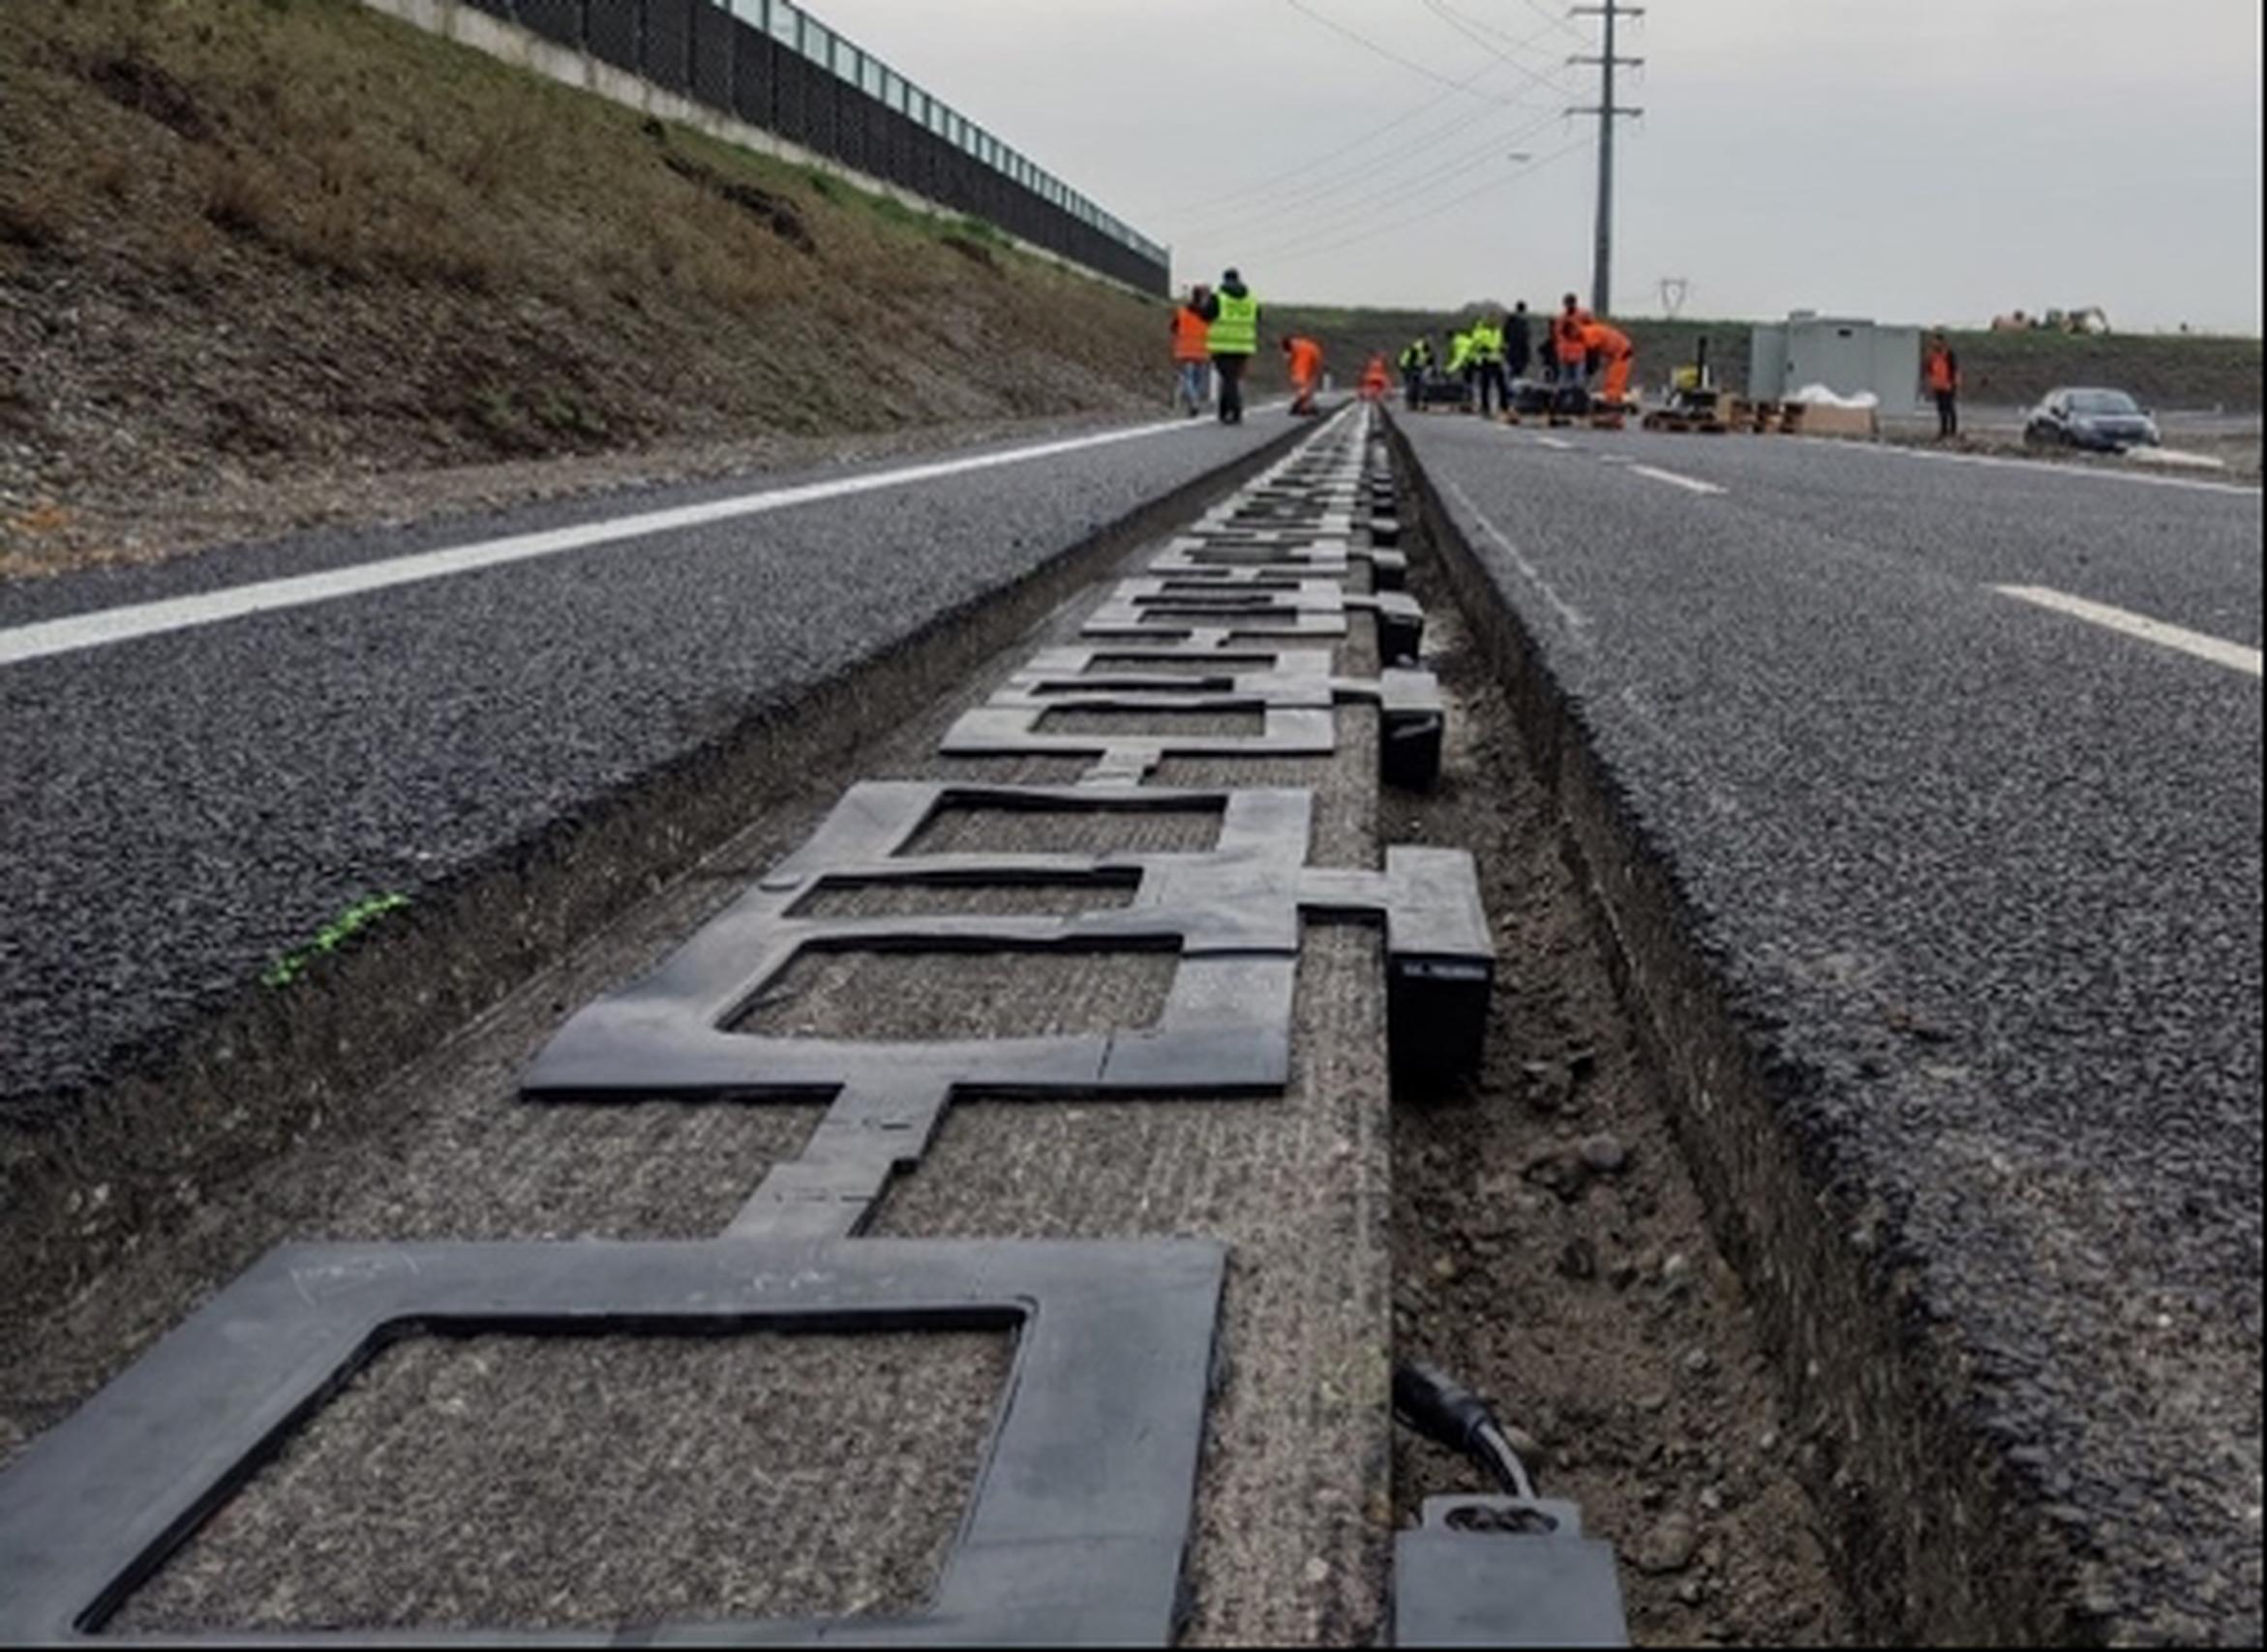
1915,160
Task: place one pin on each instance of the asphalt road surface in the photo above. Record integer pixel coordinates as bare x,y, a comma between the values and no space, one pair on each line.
202,769
1958,763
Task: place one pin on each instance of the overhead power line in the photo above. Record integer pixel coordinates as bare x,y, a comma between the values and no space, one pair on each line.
1391,56
1464,26
1441,171
1390,226
1426,105
1449,173
1553,21
1284,193
1416,166
1264,185
1423,149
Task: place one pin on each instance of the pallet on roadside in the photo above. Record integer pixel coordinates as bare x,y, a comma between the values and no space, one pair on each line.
1706,412
1683,424
1765,418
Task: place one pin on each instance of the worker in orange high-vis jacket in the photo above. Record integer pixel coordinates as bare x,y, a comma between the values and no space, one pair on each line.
1376,379
1305,358
1191,354
1939,371
1570,347
1616,358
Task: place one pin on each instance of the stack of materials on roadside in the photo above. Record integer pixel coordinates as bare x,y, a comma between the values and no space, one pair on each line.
1826,413
1695,403
1766,418
1812,410
1531,399
1695,407
2174,459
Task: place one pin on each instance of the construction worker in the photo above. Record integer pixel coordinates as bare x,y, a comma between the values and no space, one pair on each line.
1376,379
1231,317
1570,349
1519,346
1616,356
1460,365
1416,360
1192,352
1940,372
1495,394
1304,357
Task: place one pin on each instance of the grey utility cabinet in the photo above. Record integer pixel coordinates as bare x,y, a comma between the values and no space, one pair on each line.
1847,354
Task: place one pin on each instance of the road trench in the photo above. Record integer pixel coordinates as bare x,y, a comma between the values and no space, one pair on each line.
1526,1223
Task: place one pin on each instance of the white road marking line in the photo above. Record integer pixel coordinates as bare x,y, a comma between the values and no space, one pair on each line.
102,626
1577,623
1691,484
2005,462
1558,444
2234,655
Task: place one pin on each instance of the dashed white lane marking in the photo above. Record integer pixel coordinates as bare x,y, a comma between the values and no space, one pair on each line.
2234,655
1691,484
1556,444
2047,466
102,626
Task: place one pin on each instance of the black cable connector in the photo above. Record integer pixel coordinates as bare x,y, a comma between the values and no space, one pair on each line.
1504,1571
1446,1412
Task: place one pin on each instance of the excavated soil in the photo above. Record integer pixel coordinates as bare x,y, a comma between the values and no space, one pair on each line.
1550,1251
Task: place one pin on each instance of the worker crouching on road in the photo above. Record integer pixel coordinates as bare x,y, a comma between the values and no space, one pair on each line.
1376,379
1939,371
1232,315
1304,357
1191,354
1616,358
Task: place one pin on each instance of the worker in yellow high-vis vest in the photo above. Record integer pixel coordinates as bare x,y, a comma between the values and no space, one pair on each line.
1488,379
1233,332
1460,367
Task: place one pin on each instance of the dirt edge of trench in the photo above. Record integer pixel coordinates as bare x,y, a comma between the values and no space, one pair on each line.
1551,1250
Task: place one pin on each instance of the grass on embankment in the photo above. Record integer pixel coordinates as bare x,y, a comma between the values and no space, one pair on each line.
269,235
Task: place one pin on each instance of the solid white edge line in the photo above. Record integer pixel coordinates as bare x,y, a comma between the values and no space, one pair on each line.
2234,655
1577,623
1691,484
2049,466
98,627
